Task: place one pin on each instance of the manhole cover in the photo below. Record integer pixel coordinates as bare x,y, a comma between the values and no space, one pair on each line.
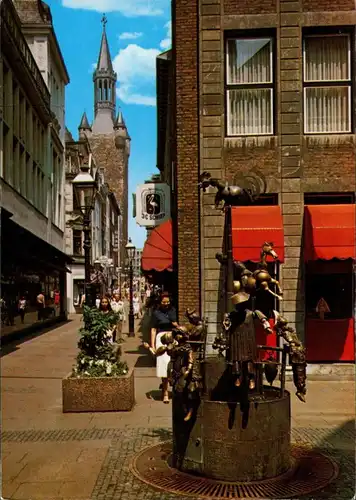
311,471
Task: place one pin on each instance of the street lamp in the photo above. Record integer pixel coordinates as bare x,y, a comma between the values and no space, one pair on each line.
84,187
130,250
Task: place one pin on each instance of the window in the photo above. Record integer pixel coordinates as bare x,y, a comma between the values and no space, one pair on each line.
77,242
249,86
327,84
332,281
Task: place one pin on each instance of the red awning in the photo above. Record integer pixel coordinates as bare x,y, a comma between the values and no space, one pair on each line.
157,252
253,226
329,232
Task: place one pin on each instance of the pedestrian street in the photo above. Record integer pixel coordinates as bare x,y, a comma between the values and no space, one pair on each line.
54,456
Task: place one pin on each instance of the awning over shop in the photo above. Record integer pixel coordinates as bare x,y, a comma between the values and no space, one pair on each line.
157,252
329,232
252,227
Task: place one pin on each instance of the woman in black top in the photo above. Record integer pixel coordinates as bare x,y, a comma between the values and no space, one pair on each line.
164,319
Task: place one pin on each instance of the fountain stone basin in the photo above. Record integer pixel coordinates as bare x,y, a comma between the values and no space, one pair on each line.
233,442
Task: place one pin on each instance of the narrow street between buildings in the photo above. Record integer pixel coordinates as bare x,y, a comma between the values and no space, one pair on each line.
50,455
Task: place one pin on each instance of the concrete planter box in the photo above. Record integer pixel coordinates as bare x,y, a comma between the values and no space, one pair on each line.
98,394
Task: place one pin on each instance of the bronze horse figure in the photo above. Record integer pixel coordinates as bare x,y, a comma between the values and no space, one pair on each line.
230,195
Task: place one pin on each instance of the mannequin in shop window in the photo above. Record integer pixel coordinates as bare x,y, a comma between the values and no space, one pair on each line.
322,308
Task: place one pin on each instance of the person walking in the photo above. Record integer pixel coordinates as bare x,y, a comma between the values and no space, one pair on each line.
40,302
136,305
117,305
57,301
22,308
164,319
105,308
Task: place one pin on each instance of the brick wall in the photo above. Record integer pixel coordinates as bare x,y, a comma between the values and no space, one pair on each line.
329,164
240,7
239,160
328,5
185,13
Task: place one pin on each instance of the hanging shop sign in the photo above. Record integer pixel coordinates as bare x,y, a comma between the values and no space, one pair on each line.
153,204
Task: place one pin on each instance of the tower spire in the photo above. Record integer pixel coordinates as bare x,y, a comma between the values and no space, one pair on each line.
104,87
104,59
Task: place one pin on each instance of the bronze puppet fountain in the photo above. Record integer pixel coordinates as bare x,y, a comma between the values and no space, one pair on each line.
238,336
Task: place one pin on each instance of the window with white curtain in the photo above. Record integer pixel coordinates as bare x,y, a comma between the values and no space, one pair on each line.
327,84
249,79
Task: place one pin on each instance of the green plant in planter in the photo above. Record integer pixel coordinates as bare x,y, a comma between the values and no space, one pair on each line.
99,356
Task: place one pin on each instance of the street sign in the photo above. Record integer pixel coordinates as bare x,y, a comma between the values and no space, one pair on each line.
153,204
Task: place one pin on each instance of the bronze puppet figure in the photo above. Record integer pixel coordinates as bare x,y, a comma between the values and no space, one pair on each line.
296,354
184,368
262,276
248,282
242,350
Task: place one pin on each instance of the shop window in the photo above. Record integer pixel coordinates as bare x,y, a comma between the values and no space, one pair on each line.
327,83
78,292
333,282
77,242
250,82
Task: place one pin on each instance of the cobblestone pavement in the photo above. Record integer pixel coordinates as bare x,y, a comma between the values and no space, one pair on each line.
116,482
54,456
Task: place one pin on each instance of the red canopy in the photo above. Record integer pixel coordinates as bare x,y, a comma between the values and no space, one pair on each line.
157,252
329,232
253,226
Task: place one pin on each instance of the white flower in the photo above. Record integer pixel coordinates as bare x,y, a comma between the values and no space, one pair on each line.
86,373
91,362
108,369
82,361
124,371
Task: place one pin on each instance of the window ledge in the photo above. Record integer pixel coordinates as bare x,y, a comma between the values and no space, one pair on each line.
329,139
232,142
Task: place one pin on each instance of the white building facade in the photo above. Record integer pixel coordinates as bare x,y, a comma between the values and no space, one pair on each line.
32,151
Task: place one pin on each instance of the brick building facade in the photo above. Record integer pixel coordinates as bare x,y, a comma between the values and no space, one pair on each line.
259,84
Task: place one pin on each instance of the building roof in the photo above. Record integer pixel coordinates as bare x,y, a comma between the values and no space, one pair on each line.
33,12
84,123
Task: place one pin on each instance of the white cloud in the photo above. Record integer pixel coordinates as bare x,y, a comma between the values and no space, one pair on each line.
127,95
130,36
128,8
166,43
93,67
136,71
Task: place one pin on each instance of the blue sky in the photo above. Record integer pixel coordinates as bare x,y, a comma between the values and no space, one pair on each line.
137,30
